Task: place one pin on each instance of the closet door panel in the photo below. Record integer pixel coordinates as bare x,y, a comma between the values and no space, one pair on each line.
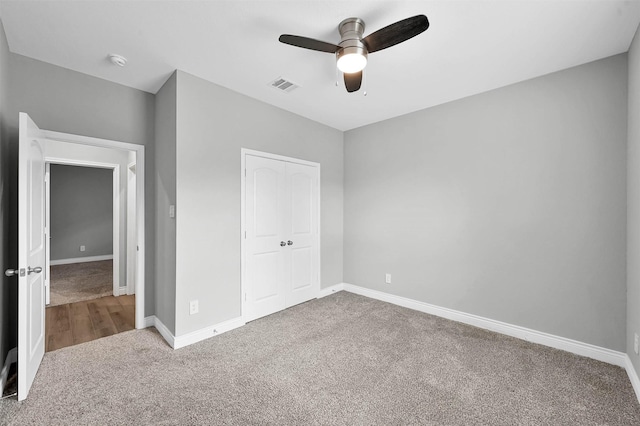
265,202
302,229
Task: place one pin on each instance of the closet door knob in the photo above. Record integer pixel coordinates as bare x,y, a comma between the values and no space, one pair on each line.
289,243
282,244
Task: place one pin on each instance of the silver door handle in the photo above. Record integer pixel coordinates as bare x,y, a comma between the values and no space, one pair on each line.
12,272
282,244
289,243
37,270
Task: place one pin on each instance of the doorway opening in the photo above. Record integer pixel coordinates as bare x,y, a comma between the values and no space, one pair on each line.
83,273
91,227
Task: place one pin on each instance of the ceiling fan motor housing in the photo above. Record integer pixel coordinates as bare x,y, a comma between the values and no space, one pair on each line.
351,30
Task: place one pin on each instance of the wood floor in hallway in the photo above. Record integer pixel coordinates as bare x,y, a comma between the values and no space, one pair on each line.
79,322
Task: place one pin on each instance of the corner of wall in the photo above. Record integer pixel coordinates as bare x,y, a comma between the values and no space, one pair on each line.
633,200
165,196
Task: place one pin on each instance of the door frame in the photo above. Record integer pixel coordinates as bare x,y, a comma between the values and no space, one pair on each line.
115,214
140,205
132,202
244,152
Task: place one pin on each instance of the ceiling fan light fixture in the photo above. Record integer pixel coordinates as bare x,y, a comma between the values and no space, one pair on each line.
351,53
351,59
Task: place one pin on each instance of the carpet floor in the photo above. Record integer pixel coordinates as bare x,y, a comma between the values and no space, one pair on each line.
81,281
341,360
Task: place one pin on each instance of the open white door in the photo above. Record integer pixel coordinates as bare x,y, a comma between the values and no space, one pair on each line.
31,254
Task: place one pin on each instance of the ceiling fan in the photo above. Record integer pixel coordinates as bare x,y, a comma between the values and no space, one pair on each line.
351,53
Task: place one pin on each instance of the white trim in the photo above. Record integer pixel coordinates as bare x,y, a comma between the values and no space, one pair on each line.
140,194
243,223
324,292
81,259
633,376
194,336
154,321
130,240
245,151
207,332
557,342
12,356
150,321
88,140
47,233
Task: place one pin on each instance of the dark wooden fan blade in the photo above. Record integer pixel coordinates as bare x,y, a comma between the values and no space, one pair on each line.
308,43
353,81
396,33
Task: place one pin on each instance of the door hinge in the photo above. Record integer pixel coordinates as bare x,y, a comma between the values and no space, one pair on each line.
245,235
245,297
245,172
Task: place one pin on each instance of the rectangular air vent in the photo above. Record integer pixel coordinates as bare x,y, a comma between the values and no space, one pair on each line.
283,85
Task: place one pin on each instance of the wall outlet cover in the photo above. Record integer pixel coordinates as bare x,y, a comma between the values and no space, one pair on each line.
193,307
635,343
387,278
82,248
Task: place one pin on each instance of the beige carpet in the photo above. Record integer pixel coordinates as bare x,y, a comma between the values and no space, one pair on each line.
341,360
81,281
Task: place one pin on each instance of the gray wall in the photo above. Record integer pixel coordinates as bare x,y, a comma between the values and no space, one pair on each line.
8,257
633,201
165,160
510,204
68,101
213,124
81,211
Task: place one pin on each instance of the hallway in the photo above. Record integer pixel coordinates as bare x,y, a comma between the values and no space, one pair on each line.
79,322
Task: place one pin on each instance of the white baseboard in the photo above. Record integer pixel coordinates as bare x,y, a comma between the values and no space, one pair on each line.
12,356
205,333
324,292
81,260
195,336
579,348
633,376
154,321
588,350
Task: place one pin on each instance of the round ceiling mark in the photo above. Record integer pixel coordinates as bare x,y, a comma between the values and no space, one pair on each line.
117,60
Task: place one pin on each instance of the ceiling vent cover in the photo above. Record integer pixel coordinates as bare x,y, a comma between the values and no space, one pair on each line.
283,85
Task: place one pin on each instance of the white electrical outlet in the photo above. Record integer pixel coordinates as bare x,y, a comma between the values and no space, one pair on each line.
387,278
193,307
82,248
635,343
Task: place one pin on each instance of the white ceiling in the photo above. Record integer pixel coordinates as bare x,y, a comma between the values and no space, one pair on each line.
470,47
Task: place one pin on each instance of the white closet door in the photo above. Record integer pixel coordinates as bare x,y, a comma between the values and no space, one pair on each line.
281,245
264,208
302,233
